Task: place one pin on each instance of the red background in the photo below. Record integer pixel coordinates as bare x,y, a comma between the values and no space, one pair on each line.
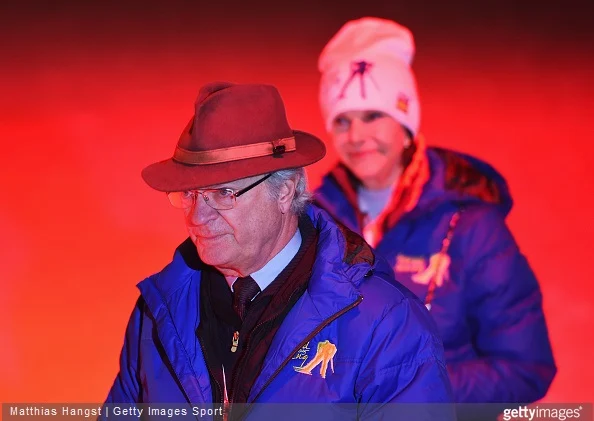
92,93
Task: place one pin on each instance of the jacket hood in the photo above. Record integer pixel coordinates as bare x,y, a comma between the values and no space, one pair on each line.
461,178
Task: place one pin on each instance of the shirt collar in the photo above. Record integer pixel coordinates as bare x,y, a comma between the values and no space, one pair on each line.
270,271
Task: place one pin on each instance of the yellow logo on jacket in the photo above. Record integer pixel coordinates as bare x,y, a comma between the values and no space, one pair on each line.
324,355
438,268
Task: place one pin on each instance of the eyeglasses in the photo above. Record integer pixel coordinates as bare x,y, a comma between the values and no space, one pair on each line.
223,198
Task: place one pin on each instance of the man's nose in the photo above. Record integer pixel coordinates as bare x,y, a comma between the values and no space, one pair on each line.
200,212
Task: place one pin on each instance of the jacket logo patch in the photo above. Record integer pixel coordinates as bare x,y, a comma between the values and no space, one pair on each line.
438,268
324,355
302,355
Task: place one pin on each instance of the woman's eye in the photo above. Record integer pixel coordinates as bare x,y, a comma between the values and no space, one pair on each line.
374,116
341,123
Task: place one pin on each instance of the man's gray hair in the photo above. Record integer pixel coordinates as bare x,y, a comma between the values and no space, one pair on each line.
302,196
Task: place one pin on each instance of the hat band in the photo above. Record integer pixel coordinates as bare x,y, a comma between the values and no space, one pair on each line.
235,153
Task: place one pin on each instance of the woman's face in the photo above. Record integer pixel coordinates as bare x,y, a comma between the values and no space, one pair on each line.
370,143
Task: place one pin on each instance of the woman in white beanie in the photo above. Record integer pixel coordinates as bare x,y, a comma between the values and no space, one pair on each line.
437,216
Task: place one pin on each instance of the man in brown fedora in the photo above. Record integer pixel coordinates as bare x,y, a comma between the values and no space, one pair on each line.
268,300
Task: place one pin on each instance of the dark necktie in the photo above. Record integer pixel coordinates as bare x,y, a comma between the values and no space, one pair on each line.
244,289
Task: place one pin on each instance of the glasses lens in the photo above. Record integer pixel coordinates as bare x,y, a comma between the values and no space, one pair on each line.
216,199
220,198
180,199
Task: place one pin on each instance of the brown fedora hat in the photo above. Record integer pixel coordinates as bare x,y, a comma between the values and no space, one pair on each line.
237,131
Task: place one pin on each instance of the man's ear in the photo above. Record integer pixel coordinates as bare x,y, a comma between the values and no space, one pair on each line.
286,194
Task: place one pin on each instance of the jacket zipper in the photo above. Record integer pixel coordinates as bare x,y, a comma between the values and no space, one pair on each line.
245,352
306,340
214,378
235,341
225,397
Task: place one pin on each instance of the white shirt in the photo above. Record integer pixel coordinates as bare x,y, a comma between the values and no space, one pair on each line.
372,202
270,271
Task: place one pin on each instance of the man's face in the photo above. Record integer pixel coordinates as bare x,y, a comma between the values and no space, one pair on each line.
238,239
370,143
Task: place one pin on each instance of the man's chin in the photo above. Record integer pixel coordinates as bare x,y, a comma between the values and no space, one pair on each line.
213,251
212,258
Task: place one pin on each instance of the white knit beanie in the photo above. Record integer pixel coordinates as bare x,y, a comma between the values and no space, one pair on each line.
366,66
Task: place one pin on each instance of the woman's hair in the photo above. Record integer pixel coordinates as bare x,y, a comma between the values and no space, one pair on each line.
409,152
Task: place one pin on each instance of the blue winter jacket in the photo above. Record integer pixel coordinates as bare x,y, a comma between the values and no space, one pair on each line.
488,308
386,345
